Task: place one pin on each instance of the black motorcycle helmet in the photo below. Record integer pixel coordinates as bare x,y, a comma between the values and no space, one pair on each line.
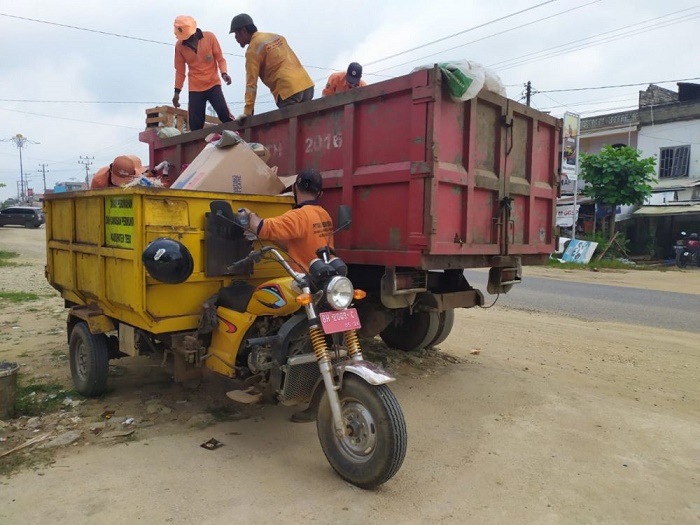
168,261
694,236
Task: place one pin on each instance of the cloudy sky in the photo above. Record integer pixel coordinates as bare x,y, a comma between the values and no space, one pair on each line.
78,75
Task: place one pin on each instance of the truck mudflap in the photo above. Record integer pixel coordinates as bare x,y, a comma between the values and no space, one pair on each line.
504,273
450,300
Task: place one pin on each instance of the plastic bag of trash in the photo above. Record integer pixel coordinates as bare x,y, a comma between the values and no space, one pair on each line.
464,79
166,132
144,181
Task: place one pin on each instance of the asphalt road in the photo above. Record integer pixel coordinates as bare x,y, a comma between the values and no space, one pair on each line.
593,302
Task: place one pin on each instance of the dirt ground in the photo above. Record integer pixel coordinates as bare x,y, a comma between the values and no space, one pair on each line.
518,417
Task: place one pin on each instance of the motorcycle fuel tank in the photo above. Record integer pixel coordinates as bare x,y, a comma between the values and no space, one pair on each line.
275,297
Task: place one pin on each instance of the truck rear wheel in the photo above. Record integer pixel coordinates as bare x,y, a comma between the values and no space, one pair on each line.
446,321
89,360
412,331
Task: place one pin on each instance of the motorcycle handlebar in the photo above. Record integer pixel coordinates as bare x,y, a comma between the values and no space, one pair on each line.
256,256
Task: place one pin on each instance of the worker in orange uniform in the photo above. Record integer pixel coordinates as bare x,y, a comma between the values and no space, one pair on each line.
121,171
340,82
200,53
270,59
303,229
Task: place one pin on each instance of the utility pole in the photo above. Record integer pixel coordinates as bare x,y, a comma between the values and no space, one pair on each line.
43,173
528,92
20,140
87,162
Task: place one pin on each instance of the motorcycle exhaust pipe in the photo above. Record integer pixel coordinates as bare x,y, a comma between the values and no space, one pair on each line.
271,340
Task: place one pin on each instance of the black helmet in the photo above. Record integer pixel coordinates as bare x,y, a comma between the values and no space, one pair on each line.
693,236
168,261
240,21
309,180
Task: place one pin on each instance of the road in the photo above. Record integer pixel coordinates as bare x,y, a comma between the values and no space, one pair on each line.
594,302
523,416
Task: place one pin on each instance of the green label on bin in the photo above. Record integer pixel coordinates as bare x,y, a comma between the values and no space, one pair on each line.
119,222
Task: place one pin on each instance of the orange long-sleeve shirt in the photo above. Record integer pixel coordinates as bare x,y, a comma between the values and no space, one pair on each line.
270,59
337,84
300,232
203,66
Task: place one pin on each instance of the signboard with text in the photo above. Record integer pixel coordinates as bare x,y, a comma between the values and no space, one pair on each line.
119,222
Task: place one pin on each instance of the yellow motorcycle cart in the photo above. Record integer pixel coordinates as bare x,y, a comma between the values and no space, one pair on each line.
95,241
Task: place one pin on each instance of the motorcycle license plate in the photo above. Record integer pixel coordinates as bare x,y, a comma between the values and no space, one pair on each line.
334,322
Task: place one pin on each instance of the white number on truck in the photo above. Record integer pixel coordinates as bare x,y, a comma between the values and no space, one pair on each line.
323,142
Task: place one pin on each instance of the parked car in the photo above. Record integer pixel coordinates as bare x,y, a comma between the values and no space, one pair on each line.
22,216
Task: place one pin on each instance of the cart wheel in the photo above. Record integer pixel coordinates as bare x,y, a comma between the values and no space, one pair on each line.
89,360
446,322
412,332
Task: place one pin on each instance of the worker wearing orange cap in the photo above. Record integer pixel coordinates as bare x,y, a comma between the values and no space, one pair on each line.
121,171
200,53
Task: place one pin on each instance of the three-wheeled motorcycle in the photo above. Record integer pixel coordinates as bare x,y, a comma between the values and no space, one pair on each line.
287,336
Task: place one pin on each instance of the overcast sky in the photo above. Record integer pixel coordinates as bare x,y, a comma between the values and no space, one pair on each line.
104,82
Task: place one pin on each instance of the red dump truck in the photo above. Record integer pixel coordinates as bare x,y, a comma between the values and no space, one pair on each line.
435,187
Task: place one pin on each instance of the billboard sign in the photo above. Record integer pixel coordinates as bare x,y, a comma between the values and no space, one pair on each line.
569,147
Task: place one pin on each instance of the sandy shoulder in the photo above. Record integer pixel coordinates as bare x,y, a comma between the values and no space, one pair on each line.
671,280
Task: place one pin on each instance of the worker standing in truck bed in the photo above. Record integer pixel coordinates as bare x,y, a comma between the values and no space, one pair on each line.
270,59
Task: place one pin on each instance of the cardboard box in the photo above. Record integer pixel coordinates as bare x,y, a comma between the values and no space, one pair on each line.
232,169
260,150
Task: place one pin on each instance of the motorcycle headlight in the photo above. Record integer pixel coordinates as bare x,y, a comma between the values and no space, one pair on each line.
339,292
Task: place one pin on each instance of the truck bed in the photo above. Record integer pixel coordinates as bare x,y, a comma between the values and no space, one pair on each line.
433,184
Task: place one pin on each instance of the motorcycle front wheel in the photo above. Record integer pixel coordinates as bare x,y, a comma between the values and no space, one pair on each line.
374,447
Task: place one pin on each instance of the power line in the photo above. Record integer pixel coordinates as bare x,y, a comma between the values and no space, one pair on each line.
67,118
25,100
620,85
129,37
604,41
500,19
577,45
567,11
37,101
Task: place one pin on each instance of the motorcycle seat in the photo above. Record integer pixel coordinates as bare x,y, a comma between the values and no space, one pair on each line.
235,296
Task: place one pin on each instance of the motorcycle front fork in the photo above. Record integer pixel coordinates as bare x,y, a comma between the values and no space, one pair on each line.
318,340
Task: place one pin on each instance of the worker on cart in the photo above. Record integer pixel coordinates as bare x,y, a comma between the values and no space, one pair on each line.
198,58
121,171
303,229
344,81
270,59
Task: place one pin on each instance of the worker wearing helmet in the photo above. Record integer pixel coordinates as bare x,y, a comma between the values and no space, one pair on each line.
270,59
344,81
303,229
200,54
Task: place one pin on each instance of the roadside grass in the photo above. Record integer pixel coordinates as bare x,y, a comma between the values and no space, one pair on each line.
34,459
35,399
4,256
18,297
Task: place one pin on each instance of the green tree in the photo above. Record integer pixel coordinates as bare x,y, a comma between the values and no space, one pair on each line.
617,176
